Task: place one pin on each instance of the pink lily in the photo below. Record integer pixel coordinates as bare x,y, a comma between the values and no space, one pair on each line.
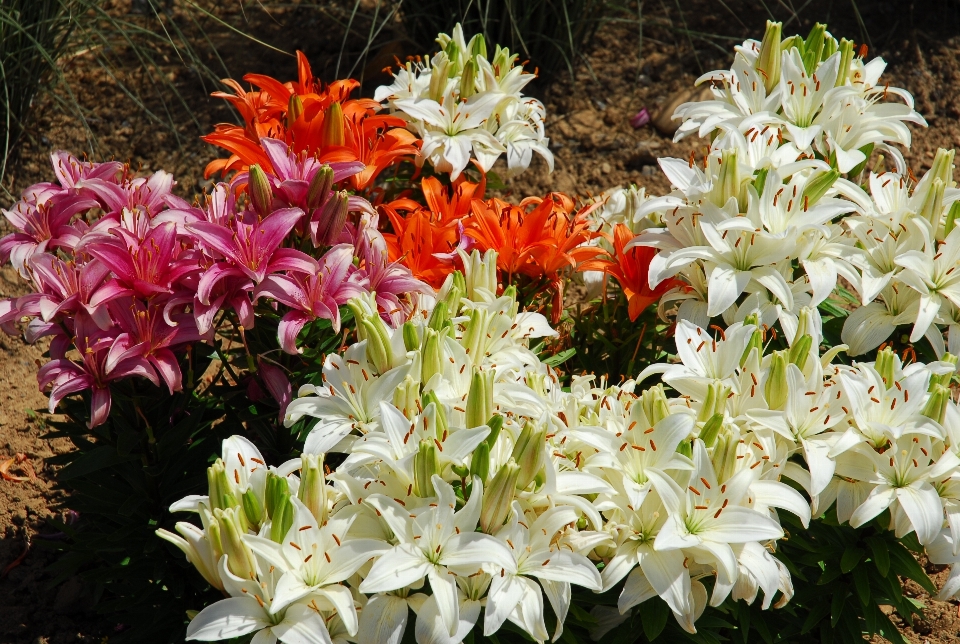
146,268
251,250
315,295
39,216
71,171
293,173
101,364
277,384
388,280
146,334
69,289
147,194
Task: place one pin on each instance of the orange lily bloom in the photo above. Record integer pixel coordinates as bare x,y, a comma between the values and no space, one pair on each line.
319,120
425,239
631,268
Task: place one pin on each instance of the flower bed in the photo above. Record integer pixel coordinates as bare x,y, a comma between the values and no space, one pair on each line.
779,444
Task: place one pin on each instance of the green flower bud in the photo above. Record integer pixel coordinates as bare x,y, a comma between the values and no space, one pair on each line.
830,47
727,183
932,205
221,491
769,60
685,448
214,536
755,344
377,335
952,215
442,426
846,57
320,186
432,354
457,289
724,456
711,429
240,559
333,133
411,339
936,406
481,273
529,453
760,180
885,365
276,493
495,424
294,110
252,508
800,350
775,388
439,317
480,398
453,55
498,497
813,48
439,74
715,403
480,463
406,395
478,46
468,80
654,404
313,486
818,186
947,378
426,463
258,187
282,519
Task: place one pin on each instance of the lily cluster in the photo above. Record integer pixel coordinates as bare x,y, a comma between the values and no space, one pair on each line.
127,276
775,217
464,104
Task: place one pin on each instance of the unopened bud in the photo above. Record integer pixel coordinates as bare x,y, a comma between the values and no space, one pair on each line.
945,378
406,395
800,350
240,559
442,427
529,453
261,194
768,63
711,429
379,349
498,497
294,110
276,492
936,405
333,134
754,344
813,48
282,519
252,508
728,181
439,316
846,57
426,463
885,366
480,398
480,462
775,389
478,46
818,186
313,486
685,448
468,80
715,403
432,355
411,339
654,403
724,456
932,205
332,218
495,424
457,289
221,492
320,186
951,221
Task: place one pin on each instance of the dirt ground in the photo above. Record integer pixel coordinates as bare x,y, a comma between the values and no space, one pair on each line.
595,148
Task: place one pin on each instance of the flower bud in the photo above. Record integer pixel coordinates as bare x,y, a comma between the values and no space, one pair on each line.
426,463
282,519
715,403
332,218
529,453
818,186
468,80
439,317
846,57
711,429
775,389
951,221
885,365
406,396
800,350
432,355
442,428
333,133
480,273
411,339
320,186
477,46
498,497
724,456
769,60
258,187
727,183
813,48
480,463
755,344
313,486
936,405
480,398
685,448
455,287
252,508
946,378
439,74
495,424
294,110
378,348
452,50
654,403
240,559
221,492
276,492
931,207
475,332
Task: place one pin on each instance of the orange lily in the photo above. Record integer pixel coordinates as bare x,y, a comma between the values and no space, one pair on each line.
425,239
313,118
630,268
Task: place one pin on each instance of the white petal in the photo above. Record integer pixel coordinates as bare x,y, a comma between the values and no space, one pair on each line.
876,502
922,505
383,620
399,567
302,625
227,618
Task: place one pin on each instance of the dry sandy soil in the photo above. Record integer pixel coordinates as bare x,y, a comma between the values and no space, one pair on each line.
595,147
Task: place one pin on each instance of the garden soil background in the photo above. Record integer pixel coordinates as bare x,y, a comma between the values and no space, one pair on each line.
590,135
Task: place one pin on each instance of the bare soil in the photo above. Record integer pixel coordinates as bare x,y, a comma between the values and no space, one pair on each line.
595,148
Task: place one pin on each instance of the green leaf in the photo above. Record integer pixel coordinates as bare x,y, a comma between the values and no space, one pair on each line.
97,459
653,615
861,582
560,358
816,614
851,557
836,606
881,557
905,565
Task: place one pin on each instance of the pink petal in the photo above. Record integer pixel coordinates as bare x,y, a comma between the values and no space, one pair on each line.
290,325
167,365
99,407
